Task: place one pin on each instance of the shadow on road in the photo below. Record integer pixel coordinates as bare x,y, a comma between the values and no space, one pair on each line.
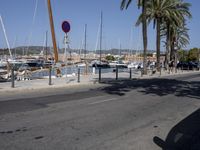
160,87
183,136
29,104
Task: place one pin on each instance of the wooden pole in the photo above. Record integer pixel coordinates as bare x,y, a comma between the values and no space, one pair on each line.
53,33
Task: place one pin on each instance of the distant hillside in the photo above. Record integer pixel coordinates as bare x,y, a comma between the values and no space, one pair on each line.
24,50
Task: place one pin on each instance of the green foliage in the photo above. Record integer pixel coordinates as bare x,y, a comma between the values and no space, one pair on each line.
4,52
183,55
122,58
110,58
150,54
193,54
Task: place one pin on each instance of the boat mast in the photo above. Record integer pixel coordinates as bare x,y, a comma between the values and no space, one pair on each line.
85,41
4,31
46,39
97,41
52,31
130,48
100,42
120,48
14,46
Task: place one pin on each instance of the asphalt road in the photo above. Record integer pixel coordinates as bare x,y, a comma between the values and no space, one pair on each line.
145,114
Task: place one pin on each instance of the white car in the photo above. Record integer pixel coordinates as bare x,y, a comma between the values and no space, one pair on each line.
135,65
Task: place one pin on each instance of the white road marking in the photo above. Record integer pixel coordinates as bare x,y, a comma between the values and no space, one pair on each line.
98,102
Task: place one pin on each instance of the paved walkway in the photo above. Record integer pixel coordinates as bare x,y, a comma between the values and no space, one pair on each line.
73,81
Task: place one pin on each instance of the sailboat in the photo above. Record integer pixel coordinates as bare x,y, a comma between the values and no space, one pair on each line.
83,44
5,35
99,63
5,64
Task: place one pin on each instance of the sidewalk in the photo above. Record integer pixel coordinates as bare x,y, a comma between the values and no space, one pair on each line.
84,80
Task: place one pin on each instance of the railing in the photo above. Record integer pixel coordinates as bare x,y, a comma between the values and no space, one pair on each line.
77,75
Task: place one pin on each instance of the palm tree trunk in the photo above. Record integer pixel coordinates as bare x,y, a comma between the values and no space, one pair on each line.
172,54
176,59
158,44
172,51
167,48
144,31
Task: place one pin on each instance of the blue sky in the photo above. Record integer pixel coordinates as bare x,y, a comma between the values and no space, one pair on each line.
118,26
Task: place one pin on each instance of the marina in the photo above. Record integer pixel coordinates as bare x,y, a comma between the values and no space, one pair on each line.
51,60
99,75
62,64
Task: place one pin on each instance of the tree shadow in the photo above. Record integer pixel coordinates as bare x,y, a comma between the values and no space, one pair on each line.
183,136
160,87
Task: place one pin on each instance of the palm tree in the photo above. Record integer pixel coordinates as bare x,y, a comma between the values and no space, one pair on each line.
143,4
182,37
163,13
178,32
167,15
181,40
159,11
174,21
169,27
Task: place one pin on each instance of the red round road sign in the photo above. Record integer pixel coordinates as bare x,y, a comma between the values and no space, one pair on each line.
65,26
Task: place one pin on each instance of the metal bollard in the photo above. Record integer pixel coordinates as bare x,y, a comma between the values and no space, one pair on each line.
78,75
130,74
12,78
93,70
160,70
49,75
141,72
116,73
99,74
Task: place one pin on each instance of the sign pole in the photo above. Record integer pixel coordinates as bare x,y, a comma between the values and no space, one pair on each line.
66,29
65,53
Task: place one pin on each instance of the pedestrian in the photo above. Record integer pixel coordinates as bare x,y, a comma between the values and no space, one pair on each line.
171,65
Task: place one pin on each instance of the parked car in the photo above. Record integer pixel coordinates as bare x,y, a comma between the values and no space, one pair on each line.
133,65
188,65
198,65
